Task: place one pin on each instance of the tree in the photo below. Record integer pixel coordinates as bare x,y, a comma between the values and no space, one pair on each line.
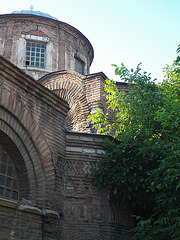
144,167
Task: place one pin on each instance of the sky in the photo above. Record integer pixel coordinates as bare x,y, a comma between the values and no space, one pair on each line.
128,31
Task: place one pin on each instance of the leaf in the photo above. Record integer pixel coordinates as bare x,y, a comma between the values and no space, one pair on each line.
158,186
117,71
115,191
140,167
144,163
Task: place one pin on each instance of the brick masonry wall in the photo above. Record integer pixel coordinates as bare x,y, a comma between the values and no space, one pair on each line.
84,94
94,88
33,117
57,162
65,42
22,221
88,214
69,86
122,86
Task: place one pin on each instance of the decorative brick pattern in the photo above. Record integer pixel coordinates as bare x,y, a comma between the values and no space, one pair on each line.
68,86
83,206
38,120
76,168
84,94
30,128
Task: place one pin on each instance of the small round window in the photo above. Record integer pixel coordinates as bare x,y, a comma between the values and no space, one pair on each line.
8,176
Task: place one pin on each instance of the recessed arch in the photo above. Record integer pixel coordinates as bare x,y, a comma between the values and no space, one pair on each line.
28,153
18,123
18,176
69,86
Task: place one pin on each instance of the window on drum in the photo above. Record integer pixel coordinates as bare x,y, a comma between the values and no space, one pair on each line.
35,55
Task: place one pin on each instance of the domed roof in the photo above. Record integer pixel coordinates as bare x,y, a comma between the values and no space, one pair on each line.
38,13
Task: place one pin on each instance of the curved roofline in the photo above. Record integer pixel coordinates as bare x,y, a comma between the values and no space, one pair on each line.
54,19
37,13
58,73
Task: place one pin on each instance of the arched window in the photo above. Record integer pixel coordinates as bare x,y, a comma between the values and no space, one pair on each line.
8,176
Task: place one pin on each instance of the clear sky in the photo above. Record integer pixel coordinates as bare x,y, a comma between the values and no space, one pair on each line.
129,31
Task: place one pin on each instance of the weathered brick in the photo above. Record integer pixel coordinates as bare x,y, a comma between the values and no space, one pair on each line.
53,164
74,149
89,150
100,151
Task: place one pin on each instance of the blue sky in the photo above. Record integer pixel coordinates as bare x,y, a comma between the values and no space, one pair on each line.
129,31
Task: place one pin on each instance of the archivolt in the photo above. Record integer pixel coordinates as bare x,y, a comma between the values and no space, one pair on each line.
23,141
18,124
70,88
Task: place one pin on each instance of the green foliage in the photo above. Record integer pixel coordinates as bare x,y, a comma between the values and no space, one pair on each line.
144,168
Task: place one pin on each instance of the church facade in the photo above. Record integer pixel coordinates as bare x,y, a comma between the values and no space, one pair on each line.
47,144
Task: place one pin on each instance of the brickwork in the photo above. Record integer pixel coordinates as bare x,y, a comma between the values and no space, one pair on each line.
94,88
68,86
84,94
45,130
88,214
21,221
55,162
122,86
30,117
64,43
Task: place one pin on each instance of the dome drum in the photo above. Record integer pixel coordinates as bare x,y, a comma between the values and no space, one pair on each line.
39,44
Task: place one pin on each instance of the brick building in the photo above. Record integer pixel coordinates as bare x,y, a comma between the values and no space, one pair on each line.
47,145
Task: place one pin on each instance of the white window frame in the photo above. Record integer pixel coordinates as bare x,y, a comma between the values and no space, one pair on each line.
21,53
35,55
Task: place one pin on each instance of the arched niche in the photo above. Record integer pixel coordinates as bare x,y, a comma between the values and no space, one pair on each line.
69,86
28,155
14,182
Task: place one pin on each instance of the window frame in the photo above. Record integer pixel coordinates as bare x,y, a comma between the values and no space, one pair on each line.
34,52
21,52
10,187
78,60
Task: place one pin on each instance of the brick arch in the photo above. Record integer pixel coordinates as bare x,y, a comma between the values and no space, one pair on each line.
18,124
20,137
69,86
77,116
18,161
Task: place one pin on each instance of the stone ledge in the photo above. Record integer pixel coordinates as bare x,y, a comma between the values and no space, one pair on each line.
89,150
73,137
30,209
4,202
100,151
87,139
8,203
74,149
50,213
98,140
